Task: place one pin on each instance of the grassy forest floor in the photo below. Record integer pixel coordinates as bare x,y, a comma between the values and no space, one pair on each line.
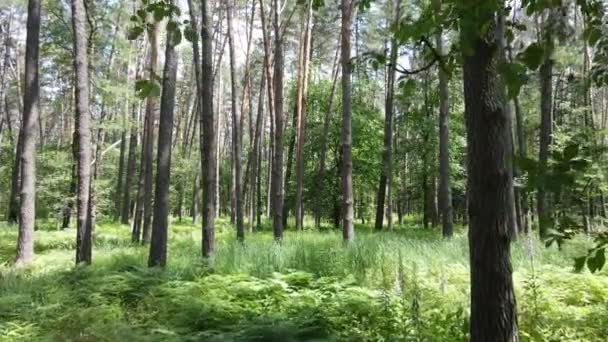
408,285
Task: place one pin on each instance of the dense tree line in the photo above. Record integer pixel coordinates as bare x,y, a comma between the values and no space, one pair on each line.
451,113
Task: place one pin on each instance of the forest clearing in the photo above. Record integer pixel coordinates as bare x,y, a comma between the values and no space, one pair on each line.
303,170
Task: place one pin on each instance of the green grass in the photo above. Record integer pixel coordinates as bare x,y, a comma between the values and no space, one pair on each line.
408,285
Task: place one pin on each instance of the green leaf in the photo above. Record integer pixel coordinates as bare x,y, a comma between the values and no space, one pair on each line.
570,151
514,77
532,56
579,263
190,34
596,262
147,88
135,32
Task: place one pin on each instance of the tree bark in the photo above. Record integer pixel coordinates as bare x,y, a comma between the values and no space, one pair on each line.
83,129
31,109
160,223
348,231
209,137
445,190
277,165
493,307
148,146
546,129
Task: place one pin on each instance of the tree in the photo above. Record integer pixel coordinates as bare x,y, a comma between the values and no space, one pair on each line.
29,128
236,132
208,130
83,131
445,191
387,155
277,165
546,120
493,308
302,94
348,231
160,223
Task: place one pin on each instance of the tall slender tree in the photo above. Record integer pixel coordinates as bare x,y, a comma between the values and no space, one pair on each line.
277,165
302,95
236,130
209,135
445,190
493,308
546,119
160,222
83,131
29,129
346,140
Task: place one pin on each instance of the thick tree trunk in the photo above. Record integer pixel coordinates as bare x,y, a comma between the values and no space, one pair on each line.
208,138
31,109
277,165
83,129
346,140
387,152
493,309
160,223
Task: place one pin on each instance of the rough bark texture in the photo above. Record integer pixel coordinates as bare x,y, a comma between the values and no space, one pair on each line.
445,191
236,134
277,165
160,222
209,138
31,97
256,157
387,152
493,309
83,129
348,230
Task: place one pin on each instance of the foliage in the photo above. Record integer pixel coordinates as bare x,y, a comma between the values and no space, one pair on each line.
404,286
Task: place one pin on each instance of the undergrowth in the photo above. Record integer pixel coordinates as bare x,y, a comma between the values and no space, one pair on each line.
408,285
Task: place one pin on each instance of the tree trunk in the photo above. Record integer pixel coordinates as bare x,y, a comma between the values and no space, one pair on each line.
348,231
301,124
148,146
160,223
387,152
256,156
83,129
546,131
445,191
277,165
493,309
27,213
236,133
208,138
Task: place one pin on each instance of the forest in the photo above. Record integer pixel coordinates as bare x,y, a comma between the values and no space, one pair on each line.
303,170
